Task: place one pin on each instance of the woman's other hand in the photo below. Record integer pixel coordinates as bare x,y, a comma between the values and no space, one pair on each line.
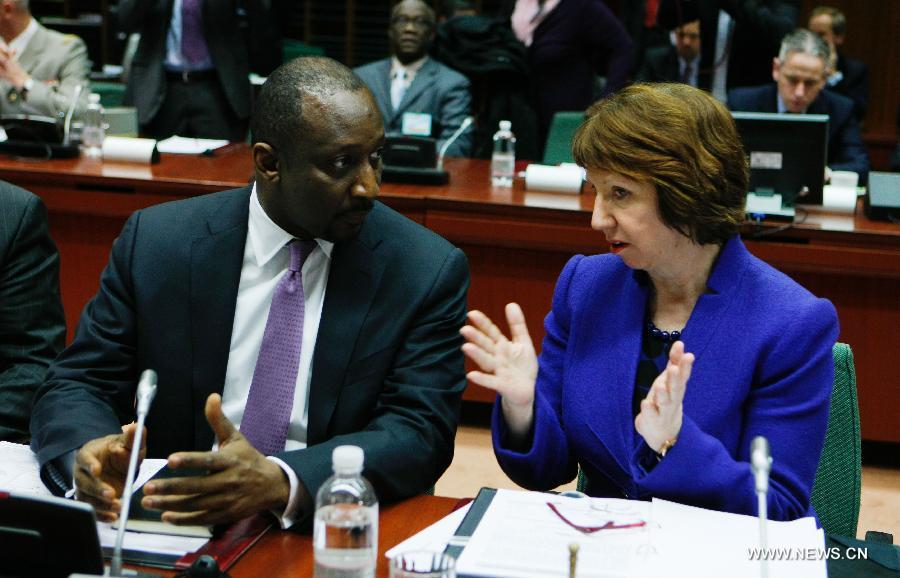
661,411
509,367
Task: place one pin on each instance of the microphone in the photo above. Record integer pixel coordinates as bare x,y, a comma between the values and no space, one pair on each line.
462,128
67,123
146,391
761,464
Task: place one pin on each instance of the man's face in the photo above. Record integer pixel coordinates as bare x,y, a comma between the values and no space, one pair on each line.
822,26
800,78
687,40
411,31
325,185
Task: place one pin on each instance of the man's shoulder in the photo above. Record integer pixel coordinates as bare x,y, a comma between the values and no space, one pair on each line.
57,40
447,74
373,68
399,230
187,214
660,53
752,98
835,104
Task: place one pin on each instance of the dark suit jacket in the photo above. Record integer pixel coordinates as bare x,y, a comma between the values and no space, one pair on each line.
387,370
758,27
225,37
436,90
854,84
32,326
846,151
660,65
763,367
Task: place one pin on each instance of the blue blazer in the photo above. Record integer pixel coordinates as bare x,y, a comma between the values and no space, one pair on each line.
763,367
436,90
846,151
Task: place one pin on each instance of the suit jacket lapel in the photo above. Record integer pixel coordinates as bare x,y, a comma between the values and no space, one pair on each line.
381,90
423,81
216,259
30,57
352,282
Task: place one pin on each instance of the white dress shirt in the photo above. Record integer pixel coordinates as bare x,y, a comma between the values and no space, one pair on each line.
266,259
20,42
402,76
720,58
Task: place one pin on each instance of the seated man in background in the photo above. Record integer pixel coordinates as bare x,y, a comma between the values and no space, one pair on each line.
299,309
418,95
39,68
799,74
32,326
678,61
846,76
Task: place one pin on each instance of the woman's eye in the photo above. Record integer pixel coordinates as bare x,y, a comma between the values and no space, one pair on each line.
619,193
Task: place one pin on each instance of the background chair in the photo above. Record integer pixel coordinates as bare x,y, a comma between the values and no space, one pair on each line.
559,139
836,489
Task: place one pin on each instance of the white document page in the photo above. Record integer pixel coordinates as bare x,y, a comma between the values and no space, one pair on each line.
434,538
521,537
189,146
699,542
19,470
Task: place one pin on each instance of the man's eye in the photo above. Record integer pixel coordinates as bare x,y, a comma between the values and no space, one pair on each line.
341,162
376,156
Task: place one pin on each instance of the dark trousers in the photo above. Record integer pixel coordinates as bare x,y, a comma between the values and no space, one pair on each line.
197,109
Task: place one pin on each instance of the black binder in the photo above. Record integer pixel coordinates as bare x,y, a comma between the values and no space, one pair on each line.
467,527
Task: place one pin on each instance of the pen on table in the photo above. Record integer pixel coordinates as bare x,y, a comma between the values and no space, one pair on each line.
225,149
573,558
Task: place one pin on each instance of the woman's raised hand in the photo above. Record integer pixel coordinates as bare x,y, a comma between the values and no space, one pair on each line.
661,411
508,366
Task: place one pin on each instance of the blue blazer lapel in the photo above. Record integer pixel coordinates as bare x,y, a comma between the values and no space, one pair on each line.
610,369
381,90
216,260
352,283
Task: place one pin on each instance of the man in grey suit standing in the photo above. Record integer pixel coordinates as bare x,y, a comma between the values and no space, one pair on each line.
39,68
190,73
418,95
32,326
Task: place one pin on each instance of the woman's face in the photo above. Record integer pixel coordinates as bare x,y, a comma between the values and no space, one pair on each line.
627,213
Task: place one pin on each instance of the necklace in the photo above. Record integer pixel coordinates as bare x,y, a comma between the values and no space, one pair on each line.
664,336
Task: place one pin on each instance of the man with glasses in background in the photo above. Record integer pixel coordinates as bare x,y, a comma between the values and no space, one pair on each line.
417,95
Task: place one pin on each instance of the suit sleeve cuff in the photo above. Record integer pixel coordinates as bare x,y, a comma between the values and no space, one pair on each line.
289,516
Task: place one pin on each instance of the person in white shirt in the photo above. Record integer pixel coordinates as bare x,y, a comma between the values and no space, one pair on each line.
357,344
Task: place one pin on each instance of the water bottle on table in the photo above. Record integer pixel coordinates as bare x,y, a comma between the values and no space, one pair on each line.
93,130
345,529
503,160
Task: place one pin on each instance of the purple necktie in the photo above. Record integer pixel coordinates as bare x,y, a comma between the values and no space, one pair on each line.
268,412
193,43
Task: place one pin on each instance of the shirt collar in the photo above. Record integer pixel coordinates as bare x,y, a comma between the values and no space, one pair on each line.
782,109
20,42
267,238
411,69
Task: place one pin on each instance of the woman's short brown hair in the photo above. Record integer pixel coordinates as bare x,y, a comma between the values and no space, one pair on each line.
681,140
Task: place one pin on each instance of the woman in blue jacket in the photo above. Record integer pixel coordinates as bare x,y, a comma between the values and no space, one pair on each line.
665,357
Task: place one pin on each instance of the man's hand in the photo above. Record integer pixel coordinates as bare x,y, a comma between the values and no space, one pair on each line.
10,69
100,469
240,481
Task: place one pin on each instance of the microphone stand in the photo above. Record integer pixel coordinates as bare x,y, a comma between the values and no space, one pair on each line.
456,134
146,391
761,464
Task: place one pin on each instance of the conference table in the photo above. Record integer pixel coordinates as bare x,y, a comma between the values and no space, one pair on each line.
517,242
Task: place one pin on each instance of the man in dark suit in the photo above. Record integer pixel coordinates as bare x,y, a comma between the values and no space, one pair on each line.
675,63
416,94
846,76
201,291
32,326
739,39
799,74
189,75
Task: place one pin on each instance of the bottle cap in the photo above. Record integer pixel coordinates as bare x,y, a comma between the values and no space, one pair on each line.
347,459
505,125
94,98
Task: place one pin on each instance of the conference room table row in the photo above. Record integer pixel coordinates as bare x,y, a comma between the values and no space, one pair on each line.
517,242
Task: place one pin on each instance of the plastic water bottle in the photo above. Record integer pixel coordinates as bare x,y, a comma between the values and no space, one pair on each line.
503,161
93,131
345,530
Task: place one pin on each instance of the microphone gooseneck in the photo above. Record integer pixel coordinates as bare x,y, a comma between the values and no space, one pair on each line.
761,464
146,391
462,128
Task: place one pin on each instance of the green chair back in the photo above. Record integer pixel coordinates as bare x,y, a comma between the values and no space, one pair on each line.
111,93
291,49
558,148
836,489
